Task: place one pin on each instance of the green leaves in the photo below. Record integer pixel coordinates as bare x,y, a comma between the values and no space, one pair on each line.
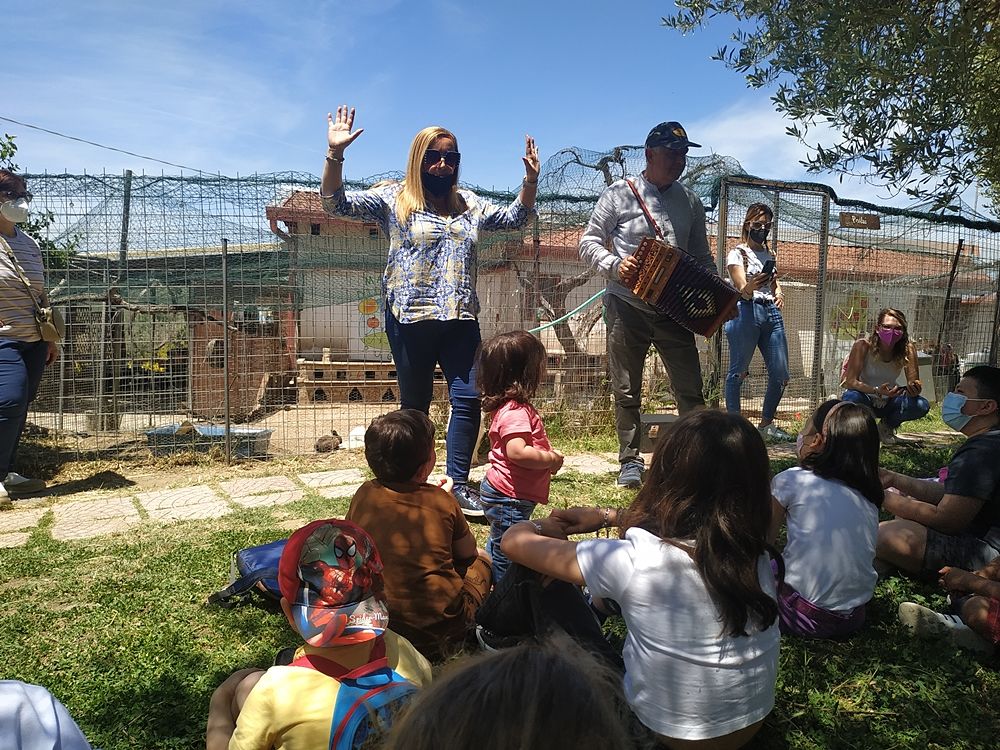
910,87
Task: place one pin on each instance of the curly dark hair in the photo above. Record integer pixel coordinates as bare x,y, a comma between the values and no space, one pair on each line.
509,366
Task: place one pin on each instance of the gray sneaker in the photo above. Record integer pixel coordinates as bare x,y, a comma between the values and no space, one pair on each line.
926,623
631,474
774,434
468,501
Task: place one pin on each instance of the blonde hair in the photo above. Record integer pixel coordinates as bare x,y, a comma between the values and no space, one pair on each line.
411,197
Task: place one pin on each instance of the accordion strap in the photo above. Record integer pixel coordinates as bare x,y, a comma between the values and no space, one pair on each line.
645,210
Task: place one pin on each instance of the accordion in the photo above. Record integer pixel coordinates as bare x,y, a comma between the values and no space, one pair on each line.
676,284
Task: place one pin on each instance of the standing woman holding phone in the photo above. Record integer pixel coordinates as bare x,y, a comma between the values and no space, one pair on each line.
874,366
758,324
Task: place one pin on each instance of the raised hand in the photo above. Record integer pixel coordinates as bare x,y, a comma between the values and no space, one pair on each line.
338,129
532,166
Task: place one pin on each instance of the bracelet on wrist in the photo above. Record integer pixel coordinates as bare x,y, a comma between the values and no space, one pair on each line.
526,181
537,525
330,156
607,518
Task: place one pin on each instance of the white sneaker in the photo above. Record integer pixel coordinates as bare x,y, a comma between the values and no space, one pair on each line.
5,501
887,434
926,623
18,485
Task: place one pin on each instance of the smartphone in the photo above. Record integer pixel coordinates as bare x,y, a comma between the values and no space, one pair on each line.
768,267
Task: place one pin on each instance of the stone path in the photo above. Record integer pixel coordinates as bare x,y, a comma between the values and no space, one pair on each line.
92,514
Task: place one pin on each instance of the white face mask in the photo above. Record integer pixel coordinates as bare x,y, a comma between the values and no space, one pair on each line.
15,210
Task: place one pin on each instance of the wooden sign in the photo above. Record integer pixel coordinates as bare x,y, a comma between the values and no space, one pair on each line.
850,220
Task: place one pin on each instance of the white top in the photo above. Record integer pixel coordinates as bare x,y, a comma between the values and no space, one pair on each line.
753,264
877,371
684,678
831,539
32,719
17,312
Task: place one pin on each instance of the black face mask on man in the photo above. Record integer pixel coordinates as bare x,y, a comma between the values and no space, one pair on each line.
759,235
438,185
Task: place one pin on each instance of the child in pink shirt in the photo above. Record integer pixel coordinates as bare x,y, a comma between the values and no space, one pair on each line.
510,367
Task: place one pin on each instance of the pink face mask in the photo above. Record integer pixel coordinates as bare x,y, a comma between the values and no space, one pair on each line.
889,336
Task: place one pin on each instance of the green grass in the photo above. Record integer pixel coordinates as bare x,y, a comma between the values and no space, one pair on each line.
117,629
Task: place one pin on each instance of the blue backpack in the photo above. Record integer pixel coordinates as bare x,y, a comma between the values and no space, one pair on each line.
368,699
254,569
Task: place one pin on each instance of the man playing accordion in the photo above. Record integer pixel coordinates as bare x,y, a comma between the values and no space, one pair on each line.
617,226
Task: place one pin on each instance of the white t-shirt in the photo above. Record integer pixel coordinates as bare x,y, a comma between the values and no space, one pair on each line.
831,539
32,719
752,264
684,678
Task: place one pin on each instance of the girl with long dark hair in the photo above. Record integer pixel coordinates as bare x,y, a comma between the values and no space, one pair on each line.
691,575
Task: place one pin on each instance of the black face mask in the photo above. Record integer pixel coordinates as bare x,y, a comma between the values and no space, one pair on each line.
438,185
759,235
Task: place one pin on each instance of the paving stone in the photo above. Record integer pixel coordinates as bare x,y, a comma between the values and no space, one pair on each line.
337,491
269,498
238,488
587,463
184,504
17,539
85,529
81,519
331,478
17,519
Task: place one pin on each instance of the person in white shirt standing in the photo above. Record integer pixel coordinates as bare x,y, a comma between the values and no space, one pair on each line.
617,226
23,353
759,323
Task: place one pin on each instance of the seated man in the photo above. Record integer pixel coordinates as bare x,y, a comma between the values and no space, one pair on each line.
435,577
956,523
330,578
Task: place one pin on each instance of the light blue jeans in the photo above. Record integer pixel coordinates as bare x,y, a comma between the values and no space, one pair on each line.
757,327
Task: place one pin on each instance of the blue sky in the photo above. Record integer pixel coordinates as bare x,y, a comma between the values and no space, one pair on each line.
243,87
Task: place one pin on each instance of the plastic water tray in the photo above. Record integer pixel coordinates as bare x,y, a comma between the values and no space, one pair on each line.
246,441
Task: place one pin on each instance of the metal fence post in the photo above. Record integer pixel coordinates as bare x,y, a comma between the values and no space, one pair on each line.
819,328
225,349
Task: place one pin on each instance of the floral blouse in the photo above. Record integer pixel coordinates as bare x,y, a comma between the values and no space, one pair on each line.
431,273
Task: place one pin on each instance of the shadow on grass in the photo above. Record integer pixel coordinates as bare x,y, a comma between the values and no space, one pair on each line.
102,480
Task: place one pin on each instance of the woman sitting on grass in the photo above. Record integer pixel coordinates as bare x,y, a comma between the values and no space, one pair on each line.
691,576
830,503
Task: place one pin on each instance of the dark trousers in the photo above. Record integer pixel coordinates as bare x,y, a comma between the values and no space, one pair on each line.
21,366
631,331
416,349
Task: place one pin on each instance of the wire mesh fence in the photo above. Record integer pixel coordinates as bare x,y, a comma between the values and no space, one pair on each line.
200,303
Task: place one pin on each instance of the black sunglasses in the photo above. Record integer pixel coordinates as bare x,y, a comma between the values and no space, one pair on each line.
432,156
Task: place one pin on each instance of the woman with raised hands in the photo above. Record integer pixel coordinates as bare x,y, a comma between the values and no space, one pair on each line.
429,284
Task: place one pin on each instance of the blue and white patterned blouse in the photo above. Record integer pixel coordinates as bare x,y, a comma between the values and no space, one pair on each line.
431,272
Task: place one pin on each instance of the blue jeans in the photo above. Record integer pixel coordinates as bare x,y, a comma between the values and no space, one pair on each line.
895,410
416,349
21,366
502,512
757,327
